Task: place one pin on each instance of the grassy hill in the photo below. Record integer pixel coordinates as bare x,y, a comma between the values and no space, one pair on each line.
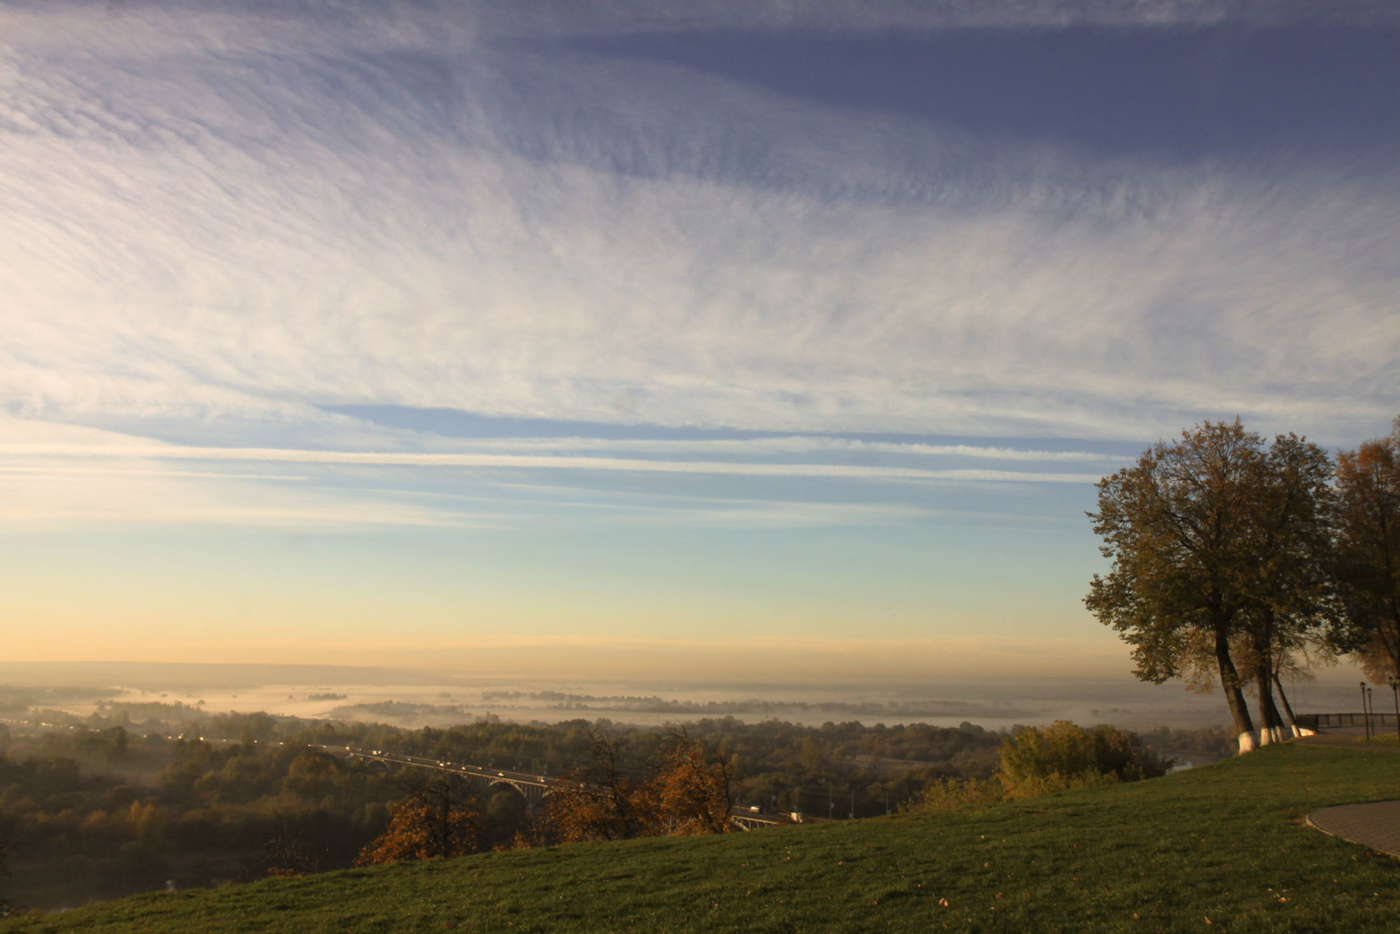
1222,848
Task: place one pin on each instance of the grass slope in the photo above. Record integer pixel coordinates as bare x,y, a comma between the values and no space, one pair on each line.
1222,848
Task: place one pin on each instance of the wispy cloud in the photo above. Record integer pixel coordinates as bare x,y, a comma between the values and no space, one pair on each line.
792,444
550,462
233,229
785,361
563,17
51,498
50,469
231,234
218,223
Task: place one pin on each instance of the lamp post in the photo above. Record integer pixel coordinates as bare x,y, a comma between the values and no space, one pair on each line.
1365,717
1395,692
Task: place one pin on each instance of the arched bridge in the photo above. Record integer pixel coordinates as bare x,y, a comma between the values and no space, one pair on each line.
532,788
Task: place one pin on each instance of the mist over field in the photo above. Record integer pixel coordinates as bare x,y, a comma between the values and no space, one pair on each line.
416,698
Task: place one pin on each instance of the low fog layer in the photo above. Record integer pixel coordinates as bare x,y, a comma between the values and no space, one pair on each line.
414,698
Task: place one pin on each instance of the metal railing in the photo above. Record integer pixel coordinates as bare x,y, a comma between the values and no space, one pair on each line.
1315,721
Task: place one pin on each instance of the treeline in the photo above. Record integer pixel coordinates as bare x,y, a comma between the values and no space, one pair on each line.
184,814
776,765
654,704
98,811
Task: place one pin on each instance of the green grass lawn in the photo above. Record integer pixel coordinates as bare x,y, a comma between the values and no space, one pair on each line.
1222,848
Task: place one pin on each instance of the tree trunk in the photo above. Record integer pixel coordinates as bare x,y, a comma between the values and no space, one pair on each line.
1270,721
1263,684
1234,697
1276,717
1287,707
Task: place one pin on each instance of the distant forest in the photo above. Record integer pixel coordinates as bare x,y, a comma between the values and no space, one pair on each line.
151,796
414,714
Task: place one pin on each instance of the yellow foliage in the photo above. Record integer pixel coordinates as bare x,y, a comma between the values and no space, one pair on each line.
420,828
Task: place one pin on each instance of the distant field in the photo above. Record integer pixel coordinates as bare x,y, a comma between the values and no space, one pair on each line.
1221,848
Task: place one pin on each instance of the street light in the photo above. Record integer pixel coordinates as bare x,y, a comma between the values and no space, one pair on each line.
1395,691
1365,718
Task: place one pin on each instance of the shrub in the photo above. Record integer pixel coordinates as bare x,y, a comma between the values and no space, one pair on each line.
959,794
1045,760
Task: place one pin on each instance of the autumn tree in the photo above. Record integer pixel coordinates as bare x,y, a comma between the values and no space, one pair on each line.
691,789
686,792
438,818
600,800
1368,524
1213,540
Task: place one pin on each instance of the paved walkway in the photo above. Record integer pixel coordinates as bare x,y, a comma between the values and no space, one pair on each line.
1375,825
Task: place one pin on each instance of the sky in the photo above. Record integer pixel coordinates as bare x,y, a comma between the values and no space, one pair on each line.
630,337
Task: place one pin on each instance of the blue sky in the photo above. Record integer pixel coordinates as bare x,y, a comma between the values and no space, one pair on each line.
494,335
